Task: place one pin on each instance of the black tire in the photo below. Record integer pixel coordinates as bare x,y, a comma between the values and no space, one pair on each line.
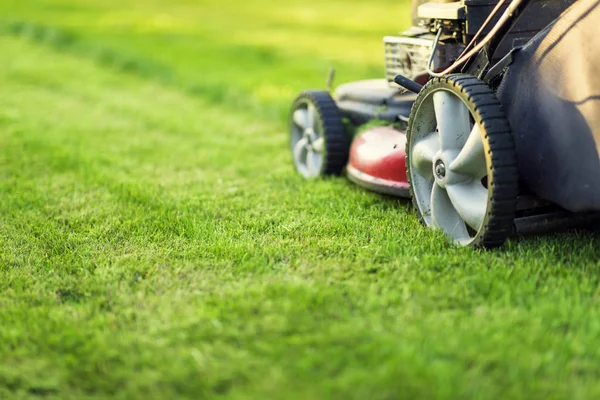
499,150
337,142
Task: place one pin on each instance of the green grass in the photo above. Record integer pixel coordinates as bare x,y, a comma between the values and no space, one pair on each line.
157,244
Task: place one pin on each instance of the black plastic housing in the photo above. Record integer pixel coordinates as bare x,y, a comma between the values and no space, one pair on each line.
537,15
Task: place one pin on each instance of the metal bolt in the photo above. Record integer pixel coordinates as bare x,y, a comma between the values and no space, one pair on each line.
440,169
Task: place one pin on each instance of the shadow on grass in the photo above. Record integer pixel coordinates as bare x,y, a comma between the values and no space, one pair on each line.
573,247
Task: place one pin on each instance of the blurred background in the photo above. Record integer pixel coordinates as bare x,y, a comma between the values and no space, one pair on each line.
242,52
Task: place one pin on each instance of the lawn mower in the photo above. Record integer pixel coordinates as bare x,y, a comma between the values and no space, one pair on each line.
486,118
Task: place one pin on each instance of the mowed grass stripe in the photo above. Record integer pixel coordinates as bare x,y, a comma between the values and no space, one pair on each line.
158,246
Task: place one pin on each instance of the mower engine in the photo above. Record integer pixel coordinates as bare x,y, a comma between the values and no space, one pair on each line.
408,54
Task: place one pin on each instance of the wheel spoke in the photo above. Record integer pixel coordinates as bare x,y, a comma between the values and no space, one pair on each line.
423,153
470,199
300,150
301,118
452,116
319,145
313,162
444,216
471,159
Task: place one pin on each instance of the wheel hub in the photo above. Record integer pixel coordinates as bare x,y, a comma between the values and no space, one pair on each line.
308,135
440,169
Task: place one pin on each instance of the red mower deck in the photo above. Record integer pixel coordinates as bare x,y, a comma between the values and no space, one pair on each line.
378,161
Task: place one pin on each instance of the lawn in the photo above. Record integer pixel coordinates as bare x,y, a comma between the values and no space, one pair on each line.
157,244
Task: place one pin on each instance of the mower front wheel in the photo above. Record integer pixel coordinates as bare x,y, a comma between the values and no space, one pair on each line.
318,139
461,161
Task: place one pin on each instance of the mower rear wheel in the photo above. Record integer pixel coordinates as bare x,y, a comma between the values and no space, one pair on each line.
461,161
318,140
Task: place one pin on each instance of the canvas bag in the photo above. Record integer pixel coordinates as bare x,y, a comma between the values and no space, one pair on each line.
551,95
